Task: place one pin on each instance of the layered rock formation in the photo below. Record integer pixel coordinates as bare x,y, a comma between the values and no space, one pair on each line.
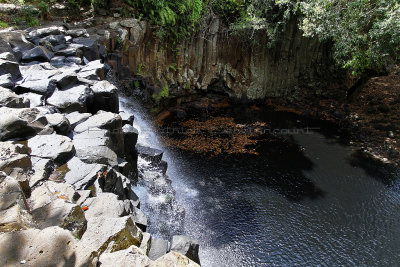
68,159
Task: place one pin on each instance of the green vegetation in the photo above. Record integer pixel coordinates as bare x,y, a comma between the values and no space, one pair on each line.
4,24
163,94
365,33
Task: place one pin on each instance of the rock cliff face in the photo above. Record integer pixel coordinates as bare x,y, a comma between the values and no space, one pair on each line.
216,60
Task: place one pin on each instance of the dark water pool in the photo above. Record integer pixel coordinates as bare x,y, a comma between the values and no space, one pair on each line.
300,202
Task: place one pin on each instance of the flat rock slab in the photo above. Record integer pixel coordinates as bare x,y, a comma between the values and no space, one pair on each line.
56,147
105,205
43,248
73,99
76,118
79,174
111,234
44,87
103,120
131,256
42,32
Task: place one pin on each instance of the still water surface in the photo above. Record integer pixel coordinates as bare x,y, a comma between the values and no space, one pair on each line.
300,202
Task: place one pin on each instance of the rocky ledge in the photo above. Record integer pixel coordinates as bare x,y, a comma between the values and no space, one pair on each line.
68,160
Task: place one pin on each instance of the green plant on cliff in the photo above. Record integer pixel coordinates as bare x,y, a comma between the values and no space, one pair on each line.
163,94
177,18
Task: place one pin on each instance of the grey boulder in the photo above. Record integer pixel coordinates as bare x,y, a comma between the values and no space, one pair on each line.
21,123
186,246
10,67
59,123
39,53
12,100
73,99
105,97
56,147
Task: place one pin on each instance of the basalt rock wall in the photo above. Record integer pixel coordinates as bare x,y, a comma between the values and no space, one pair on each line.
242,67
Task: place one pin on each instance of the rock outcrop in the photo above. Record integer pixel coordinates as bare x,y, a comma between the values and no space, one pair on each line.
64,150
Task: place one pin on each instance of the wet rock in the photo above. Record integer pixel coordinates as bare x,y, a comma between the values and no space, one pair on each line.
146,243
111,234
174,259
21,123
127,118
56,147
124,258
70,51
66,80
94,70
152,154
42,169
105,97
77,33
39,53
43,87
114,182
158,249
10,67
81,175
59,123
11,100
34,247
186,246
105,205
140,219
40,33
53,39
130,139
75,98
35,100
76,118
7,81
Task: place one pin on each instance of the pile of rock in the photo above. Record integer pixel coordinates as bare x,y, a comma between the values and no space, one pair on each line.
68,160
